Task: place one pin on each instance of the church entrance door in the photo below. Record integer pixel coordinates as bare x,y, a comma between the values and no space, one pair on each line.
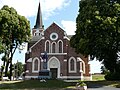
53,73
54,67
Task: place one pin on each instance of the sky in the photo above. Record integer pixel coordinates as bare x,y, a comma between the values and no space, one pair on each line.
62,12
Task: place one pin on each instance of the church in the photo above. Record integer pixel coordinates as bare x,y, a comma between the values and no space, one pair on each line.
52,46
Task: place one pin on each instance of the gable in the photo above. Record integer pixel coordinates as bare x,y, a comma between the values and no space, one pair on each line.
54,29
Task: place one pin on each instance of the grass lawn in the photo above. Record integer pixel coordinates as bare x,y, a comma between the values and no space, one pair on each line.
36,84
54,84
98,77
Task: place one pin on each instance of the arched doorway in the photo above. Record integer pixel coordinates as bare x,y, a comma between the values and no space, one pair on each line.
54,67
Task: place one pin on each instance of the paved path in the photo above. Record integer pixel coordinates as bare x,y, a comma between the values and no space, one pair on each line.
96,86
104,88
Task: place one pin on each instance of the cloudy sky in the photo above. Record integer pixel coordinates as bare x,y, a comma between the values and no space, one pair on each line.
62,12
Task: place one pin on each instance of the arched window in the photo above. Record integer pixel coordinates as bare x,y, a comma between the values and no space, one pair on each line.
35,65
60,46
72,65
53,47
72,68
47,46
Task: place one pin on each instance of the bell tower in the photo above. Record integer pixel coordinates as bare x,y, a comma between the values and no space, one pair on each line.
39,27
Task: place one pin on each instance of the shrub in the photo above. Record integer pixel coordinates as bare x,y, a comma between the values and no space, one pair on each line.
81,83
112,76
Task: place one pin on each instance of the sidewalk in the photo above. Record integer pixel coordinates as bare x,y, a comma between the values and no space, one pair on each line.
104,88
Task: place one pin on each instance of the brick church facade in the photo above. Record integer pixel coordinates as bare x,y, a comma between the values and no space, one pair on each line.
62,60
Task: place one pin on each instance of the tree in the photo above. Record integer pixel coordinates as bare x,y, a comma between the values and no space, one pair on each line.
98,31
104,70
15,30
2,47
18,69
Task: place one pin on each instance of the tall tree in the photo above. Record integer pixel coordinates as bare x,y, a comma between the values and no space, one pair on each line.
2,50
98,31
15,30
2,47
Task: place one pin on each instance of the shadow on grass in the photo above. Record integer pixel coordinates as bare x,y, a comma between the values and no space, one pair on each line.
36,84
54,84
102,83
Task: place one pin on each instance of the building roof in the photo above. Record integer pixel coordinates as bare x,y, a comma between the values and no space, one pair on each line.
36,38
69,36
39,23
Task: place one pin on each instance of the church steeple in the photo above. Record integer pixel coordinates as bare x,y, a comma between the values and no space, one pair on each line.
39,24
38,29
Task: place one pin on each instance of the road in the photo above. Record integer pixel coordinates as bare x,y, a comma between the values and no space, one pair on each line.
104,88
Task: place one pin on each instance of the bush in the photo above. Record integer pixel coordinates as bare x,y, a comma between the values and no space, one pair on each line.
8,74
81,83
112,76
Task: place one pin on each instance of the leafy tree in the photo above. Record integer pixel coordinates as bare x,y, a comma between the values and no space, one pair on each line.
14,30
104,70
2,47
19,68
98,31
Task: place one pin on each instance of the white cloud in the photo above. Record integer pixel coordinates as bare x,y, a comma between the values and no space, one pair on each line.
23,7
51,6
69,27
29,8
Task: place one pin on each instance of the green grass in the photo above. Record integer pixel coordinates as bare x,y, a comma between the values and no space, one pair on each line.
98,77
36,84
54,84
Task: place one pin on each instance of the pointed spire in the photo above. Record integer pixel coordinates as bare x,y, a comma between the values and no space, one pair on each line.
39,24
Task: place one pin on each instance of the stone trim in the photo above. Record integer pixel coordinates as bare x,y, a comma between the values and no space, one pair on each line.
82,69
55,54
29,77
88,78
65,60
33,62
54,58
71,77
65,37
70,71
66,77
29,60
36,43
46,45
52,47
58,45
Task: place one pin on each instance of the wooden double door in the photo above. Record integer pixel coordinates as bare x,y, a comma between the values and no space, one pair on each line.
54,72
